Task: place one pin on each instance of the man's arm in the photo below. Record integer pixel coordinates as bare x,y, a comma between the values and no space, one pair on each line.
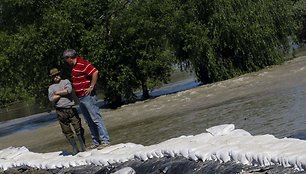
93,82
55,98
67,89
62,92
52,96
94,79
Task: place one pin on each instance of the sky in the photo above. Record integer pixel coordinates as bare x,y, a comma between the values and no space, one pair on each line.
221,143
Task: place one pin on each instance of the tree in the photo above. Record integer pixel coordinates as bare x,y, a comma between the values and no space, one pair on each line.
134,53
34,39
17,31
224,42
126,43
134,44
300,16
139,33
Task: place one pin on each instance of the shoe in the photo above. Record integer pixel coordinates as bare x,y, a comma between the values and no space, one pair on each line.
101,146
94,146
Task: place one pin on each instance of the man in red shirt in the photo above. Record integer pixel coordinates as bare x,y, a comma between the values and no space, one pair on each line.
84,78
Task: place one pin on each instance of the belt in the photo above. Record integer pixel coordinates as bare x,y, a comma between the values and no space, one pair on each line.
59,108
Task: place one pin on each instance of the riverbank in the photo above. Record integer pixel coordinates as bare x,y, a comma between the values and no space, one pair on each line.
158,119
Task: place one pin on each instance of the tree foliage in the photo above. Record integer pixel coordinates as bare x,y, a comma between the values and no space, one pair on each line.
135,44
300,16
228,38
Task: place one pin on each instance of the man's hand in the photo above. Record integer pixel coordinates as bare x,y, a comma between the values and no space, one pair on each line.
88,90
55,98
62,92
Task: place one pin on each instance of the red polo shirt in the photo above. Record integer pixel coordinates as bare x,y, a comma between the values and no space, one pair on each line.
81,75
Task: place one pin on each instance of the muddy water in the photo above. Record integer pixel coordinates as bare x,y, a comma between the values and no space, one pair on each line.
272,101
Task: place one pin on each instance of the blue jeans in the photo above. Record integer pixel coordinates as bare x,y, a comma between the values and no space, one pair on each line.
91,113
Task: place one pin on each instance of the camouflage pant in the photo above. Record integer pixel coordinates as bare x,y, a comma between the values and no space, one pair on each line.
67,117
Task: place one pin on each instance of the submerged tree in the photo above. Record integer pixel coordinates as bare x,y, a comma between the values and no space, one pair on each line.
231,37
132,49
300,15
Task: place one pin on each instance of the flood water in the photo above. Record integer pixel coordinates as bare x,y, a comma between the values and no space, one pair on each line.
281,113
271,101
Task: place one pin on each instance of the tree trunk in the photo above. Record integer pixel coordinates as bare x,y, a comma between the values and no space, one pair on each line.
145,91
